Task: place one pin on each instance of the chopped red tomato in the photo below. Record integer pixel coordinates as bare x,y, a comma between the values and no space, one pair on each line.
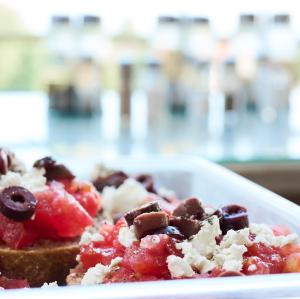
91,255
14,233
266,259
289,249
58,215
150,257
125,275
7,283
59,210
85,194
292,263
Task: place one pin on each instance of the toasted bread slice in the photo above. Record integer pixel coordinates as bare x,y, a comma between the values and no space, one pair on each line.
46,262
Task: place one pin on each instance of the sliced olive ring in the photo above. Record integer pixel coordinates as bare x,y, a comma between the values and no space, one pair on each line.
115,179
233,217
17,203
54,171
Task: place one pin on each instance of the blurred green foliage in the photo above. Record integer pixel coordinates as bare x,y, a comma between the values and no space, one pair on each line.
22,55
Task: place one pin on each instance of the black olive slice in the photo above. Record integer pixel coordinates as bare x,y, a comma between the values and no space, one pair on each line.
17,203
233,217
53,170
115,179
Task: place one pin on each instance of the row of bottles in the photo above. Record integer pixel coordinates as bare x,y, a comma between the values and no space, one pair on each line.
183,69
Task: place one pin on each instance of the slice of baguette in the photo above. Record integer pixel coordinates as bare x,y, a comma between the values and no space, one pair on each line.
42,263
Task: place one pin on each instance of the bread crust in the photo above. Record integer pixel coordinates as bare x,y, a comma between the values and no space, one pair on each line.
42,263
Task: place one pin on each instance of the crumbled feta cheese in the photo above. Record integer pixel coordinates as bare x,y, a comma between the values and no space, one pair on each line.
32,180
49,285
231,258
205,240
240,237
78,258
115,262
129,195
252,268
87,237
95,275
127,236
265,235
178,267
194,259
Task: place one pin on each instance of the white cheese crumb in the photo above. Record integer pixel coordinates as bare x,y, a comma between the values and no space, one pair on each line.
78,258
87,237
127,236
178,267
265,235
32,180
49,285
252,268
240,237
194,259
231,258
205,240
96,275
129,195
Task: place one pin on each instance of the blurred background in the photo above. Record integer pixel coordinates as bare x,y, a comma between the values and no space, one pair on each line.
216,79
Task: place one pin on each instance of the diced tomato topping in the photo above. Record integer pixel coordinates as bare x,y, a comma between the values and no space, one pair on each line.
90,254
58,215
14,233
59,210
125,275
292,263
266,259
141,261
150,258
7,283
85,194
255,266
289,249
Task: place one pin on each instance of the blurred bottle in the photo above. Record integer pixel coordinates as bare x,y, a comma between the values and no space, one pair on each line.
87,89
90,37
61,56
200,43
87,73
235,104
126,75
155,86
271,88
281,40
197,90
168,48
216,102
247,48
